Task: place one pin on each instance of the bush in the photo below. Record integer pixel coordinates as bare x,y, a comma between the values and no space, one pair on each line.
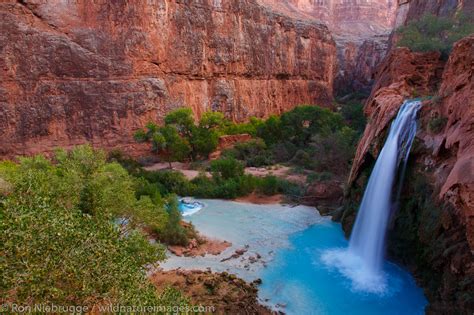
353,113
291,190
173,233
226,168
204,187
283,151
271,130
334,152
303,159
131,165
253,152
169,181
303,122
241,128
59,247
227,189
432,33
269,185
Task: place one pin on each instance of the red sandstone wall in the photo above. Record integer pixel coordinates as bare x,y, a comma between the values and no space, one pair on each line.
77,71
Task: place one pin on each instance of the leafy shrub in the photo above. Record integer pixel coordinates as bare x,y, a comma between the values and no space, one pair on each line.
253,152
145,188
204,142
303,122
432,33
353,113
247,184
226,168
250,127
131,165
271,130
303,159
269,185
204,187
283,151
169,181
334,152
227,189
173,233
58,248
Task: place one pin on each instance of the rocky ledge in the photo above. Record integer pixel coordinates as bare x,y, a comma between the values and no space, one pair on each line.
227,293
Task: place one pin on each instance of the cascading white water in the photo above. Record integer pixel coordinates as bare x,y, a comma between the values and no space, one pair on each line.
368,235
362,261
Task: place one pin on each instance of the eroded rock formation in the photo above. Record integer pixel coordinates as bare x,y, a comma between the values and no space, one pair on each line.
95,71
361,29
433,231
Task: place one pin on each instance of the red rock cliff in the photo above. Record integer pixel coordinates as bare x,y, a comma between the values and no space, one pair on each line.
77,71
433,231
361,29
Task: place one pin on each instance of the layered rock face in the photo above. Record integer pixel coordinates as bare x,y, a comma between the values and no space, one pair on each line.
95,71
433,231
361,29
343,17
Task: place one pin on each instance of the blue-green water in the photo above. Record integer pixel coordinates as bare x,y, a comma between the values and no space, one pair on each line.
301,261
301,280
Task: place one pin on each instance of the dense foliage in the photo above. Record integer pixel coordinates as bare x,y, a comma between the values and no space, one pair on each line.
70,233
309,138
433,33
180,138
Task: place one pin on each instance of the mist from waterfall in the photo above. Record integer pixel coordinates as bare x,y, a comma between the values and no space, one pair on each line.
363,260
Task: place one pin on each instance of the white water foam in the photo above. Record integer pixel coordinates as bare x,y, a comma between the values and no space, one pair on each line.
351,266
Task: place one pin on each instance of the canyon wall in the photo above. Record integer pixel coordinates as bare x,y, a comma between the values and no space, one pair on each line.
95,71
361,29
432,233
343,17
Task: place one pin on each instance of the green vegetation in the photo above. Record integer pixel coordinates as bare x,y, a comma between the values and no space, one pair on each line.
71,232
309,138
226,168
254,153
432,33
180,139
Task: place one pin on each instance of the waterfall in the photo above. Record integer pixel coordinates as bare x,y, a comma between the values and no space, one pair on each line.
368,235
362,261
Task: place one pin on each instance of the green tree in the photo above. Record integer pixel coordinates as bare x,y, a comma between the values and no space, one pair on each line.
183,120
180,138
301,123
271,130
204,141
226,168
165,140
174,233
212,120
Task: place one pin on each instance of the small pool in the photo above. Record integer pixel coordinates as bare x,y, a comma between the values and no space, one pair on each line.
189,206
296,246
304,281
